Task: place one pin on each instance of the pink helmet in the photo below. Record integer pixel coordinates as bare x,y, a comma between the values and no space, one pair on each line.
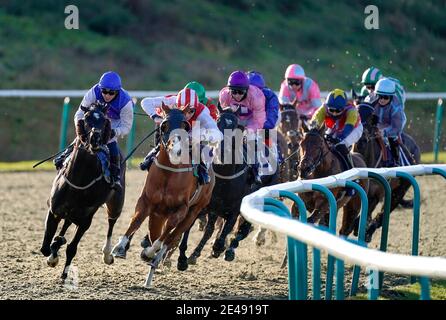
294,71
187,97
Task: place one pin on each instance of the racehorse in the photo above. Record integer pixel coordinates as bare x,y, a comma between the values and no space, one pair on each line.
289,127
318,160
171,196
80,188
230,187
372,147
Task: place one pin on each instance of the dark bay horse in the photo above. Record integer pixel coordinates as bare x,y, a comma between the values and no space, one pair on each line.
230,187
80,188
371,146
317,160
171,196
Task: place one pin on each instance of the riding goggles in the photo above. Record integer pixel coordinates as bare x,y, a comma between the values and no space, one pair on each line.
295,82
109,92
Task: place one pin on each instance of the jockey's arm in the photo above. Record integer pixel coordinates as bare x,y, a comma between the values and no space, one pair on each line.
398,120
272,111
319,116
350,121
209,131
257,104
150,104
88,100
126,120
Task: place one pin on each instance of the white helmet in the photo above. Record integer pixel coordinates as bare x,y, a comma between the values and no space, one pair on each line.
385,87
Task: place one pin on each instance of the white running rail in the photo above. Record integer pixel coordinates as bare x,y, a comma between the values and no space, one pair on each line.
252,210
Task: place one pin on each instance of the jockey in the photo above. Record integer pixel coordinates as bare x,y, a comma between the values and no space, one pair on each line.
343,123
369,79
109,90
248,101
199,115
201,93
300,91
271,109
389,116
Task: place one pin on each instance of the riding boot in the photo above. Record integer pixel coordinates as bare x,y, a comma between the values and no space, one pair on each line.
345,153
115,172
394,150
203,175
147,162
59,160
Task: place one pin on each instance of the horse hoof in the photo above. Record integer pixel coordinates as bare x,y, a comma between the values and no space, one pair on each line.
192,260
229,255
260,242
215,254
52,261
46,251
108,259
145,242
119,252
144,257
182,265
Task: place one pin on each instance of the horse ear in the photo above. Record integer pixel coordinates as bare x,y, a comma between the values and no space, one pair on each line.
165,108
220,109
304,126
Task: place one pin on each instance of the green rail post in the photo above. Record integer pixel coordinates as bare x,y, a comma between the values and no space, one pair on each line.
437,132
416,214
339,279
64,123
386,216
332,229
373,284
362,229
302,273
425,288
279,208
131,137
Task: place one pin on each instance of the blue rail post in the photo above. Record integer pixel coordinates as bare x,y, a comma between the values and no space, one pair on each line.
386,216
302,274
131,137
64,123
332,229
362,229
425,288
416,214
437,132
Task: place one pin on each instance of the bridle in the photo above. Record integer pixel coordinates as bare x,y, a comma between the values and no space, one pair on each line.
314,163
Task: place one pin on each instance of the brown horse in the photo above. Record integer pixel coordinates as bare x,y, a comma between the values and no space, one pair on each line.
317,160
289,128
171,197
371,146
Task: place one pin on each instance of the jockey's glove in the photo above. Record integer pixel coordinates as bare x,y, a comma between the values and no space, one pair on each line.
157,119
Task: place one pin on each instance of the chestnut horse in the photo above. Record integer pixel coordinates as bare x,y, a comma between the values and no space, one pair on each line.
80,188
171,197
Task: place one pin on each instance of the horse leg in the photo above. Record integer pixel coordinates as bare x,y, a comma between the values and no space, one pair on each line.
219,245
141,213
242,233
182,258
72,247
156,229
202,221
206,236
259,237
350,212
107,257
58,242
51,224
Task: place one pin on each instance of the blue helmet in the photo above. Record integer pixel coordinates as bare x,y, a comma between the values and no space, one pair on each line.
256,79
336,99
110,80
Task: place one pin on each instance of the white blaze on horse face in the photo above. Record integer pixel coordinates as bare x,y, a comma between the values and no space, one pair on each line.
178,147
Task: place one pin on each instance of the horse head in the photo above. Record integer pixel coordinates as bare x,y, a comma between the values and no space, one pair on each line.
289,124
97,126
313,148
174,132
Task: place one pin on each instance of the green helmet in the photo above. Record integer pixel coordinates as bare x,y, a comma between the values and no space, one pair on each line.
199,89
371,76
364,92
